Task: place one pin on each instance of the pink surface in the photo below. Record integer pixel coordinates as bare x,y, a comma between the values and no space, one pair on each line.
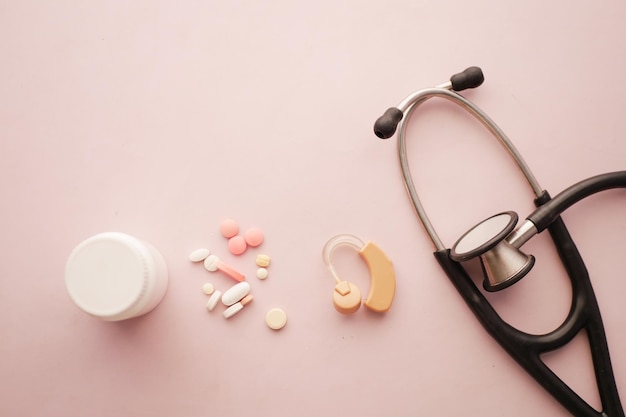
161,119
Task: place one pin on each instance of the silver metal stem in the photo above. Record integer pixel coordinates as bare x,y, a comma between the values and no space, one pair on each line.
522,234
408,105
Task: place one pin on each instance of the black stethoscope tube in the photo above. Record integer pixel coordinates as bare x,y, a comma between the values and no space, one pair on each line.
584,312
546,213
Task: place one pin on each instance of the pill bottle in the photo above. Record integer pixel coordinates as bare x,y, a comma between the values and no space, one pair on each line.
114,276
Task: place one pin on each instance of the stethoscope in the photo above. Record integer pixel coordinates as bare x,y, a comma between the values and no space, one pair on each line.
496,242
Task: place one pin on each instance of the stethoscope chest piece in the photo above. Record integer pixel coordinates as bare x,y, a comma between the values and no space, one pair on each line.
502,263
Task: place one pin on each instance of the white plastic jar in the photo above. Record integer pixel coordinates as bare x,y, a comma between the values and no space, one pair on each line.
114,276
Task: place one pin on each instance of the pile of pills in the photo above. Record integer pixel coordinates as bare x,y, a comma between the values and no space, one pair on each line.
235,298
238,295
237,244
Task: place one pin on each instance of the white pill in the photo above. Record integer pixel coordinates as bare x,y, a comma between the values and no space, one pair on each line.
215,298
210,263
235,293
262,273
232,310
199,255
208,288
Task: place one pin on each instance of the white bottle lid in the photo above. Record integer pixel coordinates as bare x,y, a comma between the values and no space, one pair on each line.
114,276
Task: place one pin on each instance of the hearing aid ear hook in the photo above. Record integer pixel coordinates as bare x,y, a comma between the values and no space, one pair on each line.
347,296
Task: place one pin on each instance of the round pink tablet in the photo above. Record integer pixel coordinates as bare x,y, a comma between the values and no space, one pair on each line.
254,237
237,245
229,228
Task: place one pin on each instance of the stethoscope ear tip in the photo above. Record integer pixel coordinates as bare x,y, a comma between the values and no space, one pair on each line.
386,124
472,77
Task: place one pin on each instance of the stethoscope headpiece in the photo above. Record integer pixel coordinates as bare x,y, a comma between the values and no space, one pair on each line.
386,125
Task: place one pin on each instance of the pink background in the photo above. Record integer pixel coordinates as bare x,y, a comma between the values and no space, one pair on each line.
160,119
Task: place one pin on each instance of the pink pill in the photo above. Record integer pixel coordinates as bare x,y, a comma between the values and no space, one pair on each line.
254,237
237,245
229,228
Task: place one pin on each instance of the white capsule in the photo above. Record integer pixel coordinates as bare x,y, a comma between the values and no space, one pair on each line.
235,293
232,310
210,263
199,255
215,298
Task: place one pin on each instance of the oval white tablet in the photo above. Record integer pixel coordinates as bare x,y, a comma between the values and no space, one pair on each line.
215,297
232,310
199,255
235,293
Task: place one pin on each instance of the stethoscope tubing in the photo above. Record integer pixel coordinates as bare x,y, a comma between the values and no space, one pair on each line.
526,348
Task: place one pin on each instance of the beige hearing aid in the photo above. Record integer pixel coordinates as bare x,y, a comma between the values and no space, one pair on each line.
347,296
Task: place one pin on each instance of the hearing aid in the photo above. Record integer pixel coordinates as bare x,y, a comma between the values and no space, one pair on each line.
346,295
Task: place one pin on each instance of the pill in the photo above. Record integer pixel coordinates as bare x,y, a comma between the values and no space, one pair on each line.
261,273
247,299
229,228
199,255
263,260
237,245
208,288
212,263
235,293
215,297
237,276
276,319
254,237
232,310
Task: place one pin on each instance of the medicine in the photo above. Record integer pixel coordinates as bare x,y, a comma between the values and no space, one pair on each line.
254,237
235,293
276,319
208,288
215,298
263,260
114,276
237,245
229,228
199,255
232,310
212,263
247,299
262,273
